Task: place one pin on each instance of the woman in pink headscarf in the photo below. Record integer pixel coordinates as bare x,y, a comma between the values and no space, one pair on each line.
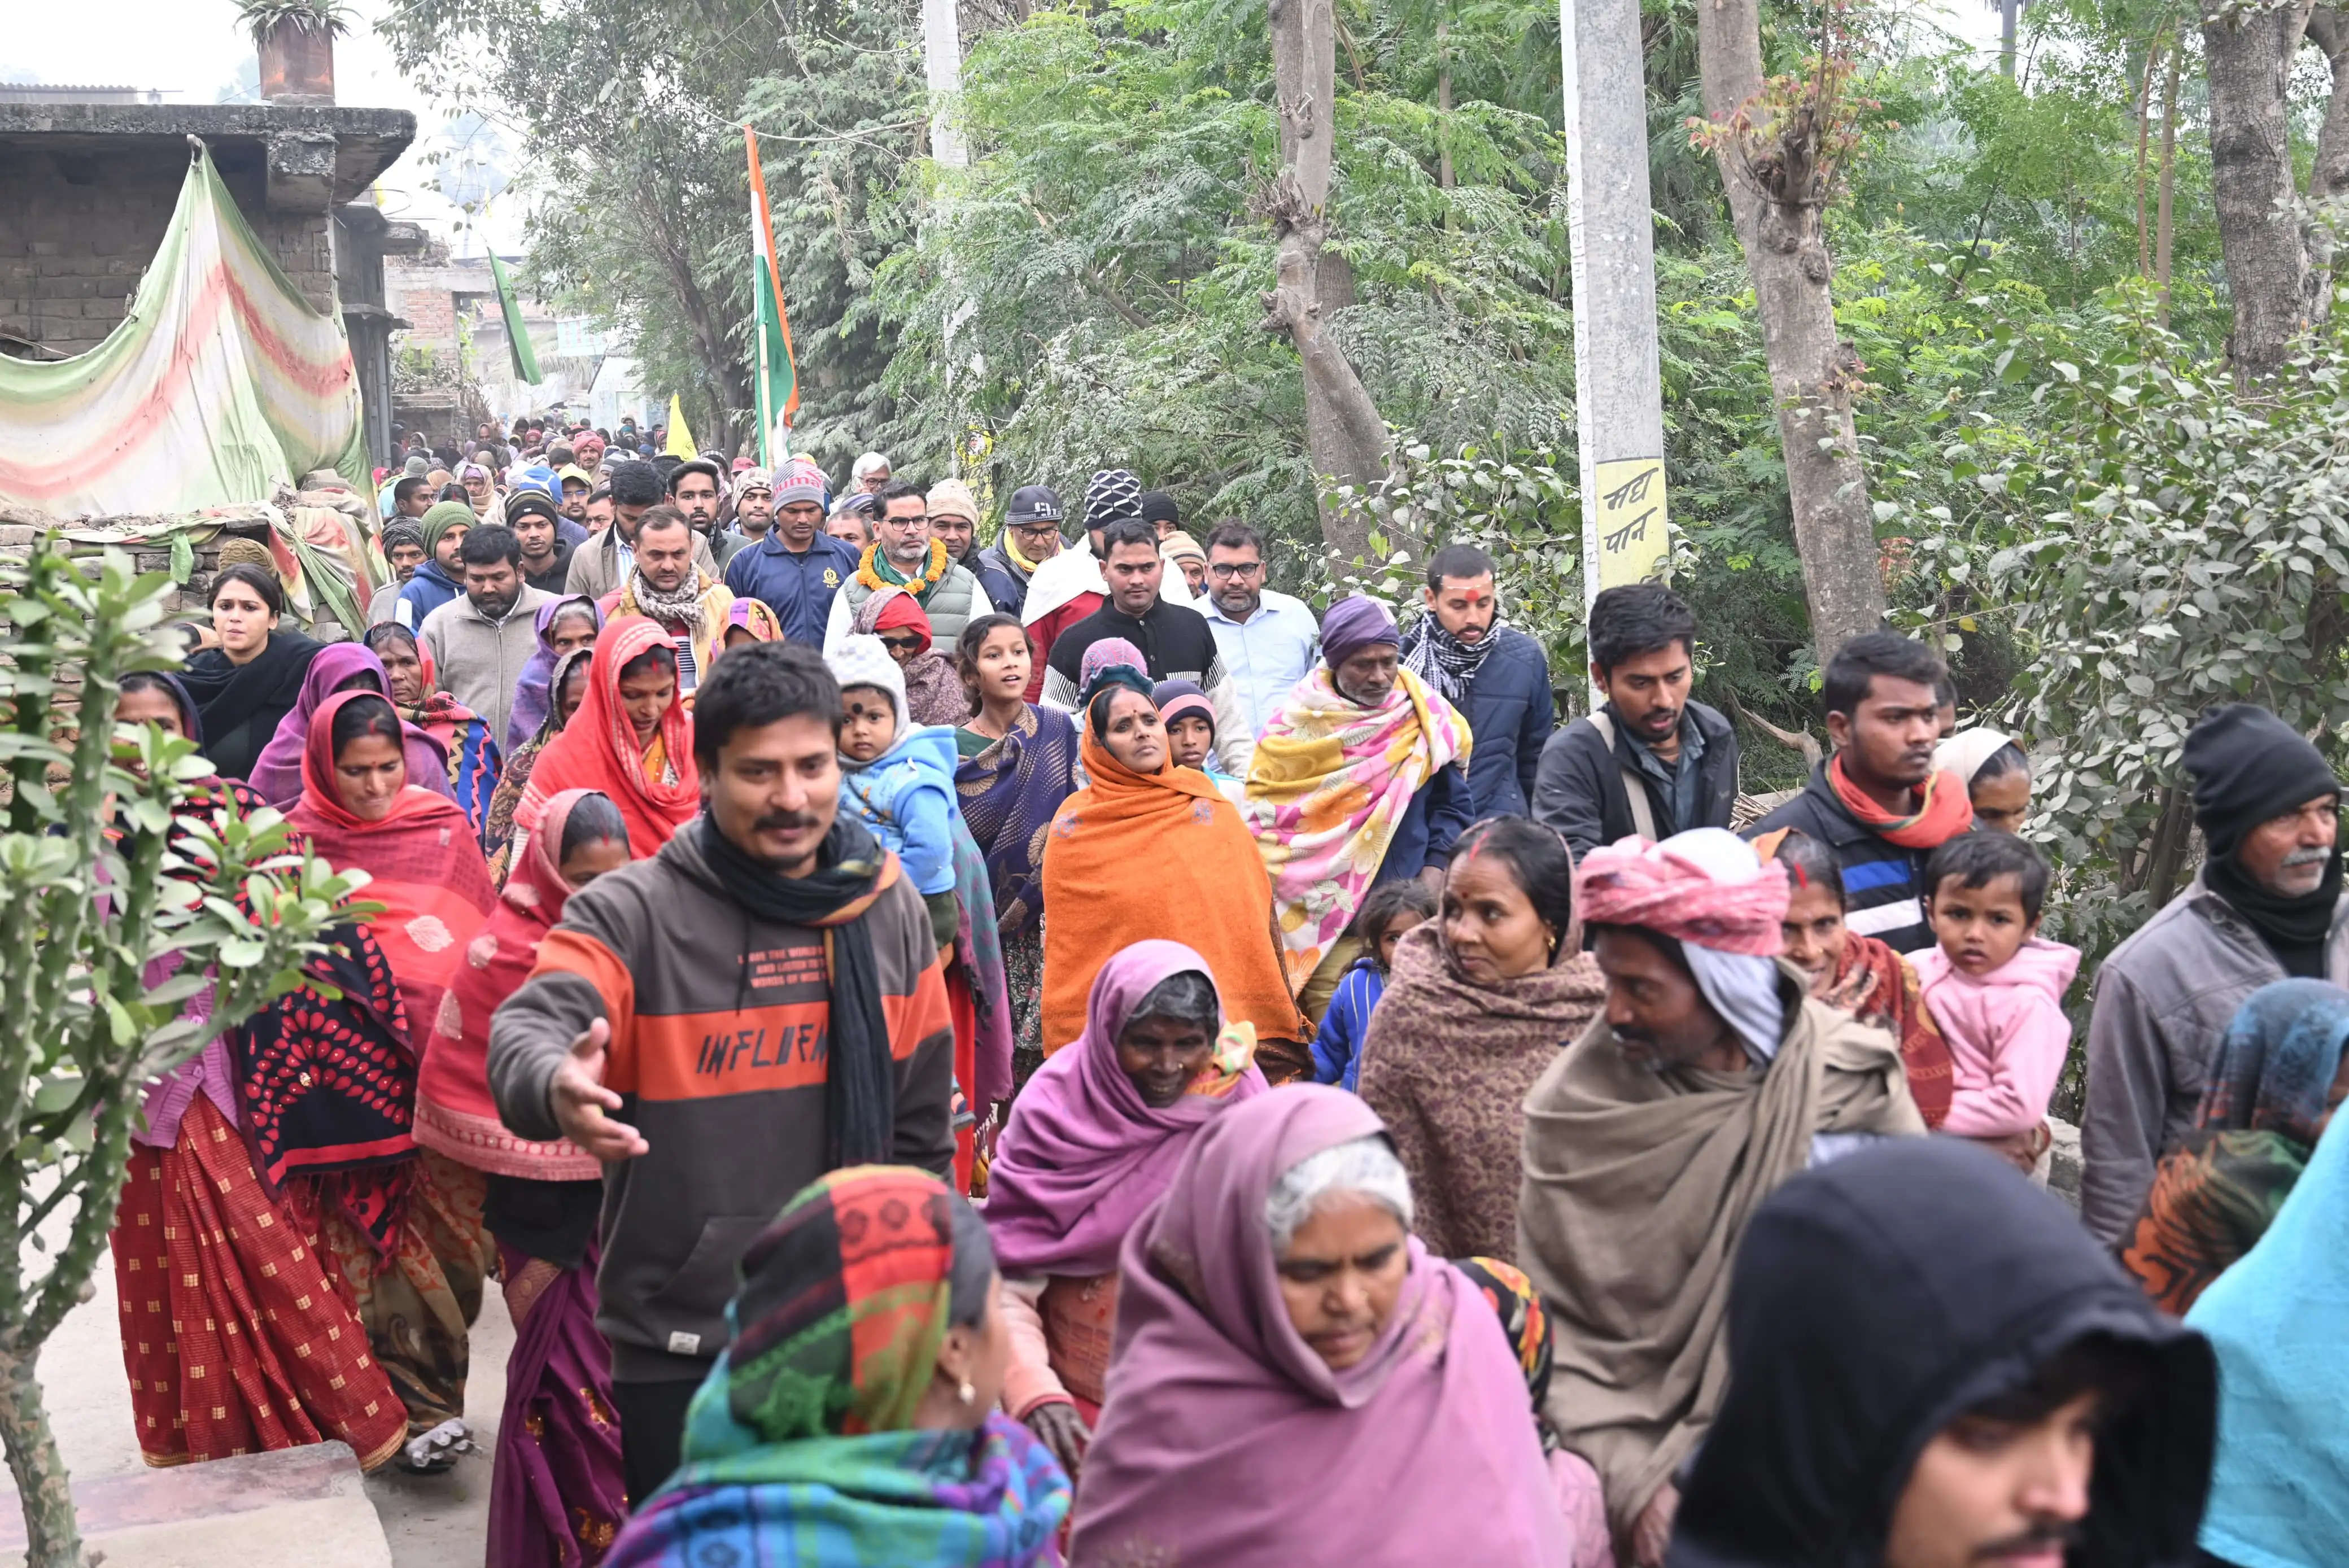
1298,1379
1092,1141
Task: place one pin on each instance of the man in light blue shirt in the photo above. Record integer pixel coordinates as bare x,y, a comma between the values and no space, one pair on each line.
1267,641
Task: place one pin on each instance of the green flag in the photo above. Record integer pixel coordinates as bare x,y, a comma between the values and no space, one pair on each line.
525,359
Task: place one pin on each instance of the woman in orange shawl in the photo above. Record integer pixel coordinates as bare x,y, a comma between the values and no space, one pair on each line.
413,1247
631,740
1152,851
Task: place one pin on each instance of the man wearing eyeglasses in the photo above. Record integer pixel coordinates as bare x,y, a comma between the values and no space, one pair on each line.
1031,536
903,554
1267,641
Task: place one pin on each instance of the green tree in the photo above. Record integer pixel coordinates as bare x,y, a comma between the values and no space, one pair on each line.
97,885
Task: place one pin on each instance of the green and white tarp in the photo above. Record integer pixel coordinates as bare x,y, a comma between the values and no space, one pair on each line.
220,382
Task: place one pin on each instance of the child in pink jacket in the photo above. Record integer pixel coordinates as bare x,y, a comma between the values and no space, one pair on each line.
1997,990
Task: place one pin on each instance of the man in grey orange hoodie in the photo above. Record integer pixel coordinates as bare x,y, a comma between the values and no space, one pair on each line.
755,1005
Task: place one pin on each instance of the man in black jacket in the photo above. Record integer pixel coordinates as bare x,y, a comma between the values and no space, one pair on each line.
1651,761
1878,803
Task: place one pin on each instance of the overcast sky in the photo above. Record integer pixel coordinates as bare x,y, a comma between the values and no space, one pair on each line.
193,50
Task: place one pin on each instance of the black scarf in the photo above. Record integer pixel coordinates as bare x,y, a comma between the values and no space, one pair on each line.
860,1082
2293,928
241,704
1443,661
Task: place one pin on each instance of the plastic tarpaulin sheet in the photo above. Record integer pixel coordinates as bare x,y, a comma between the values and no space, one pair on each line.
220,381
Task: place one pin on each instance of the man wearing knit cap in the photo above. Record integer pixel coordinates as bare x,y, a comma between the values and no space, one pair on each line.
954,522
1711,1078
1181,552
1030,537
1158,511
798,567
754,513
1360,778
2266,906
440,577
402,541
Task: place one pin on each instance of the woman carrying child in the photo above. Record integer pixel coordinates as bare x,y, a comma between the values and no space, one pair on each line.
1859,975
898,781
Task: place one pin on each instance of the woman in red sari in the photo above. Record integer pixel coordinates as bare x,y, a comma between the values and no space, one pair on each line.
631,740
236,1338
558,1495
409,1240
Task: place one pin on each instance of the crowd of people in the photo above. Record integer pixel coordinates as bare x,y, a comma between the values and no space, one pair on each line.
1051,1050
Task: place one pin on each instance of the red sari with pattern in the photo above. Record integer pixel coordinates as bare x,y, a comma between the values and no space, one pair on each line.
235,1338
411,1242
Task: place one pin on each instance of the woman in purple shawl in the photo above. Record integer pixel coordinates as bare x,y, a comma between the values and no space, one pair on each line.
1092,1141
562,625
1298,1379
1017,764
340,667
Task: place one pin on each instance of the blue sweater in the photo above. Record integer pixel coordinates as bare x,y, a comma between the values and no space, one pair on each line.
1338,1048
906,797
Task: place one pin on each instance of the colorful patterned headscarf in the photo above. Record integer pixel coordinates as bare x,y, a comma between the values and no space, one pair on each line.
800,1448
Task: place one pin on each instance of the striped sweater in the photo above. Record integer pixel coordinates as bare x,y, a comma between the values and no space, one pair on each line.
720,1024
1883,884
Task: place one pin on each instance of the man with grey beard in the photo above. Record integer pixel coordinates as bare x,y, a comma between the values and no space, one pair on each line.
2266,907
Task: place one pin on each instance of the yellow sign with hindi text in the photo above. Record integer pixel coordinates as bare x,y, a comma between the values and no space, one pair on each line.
1629,521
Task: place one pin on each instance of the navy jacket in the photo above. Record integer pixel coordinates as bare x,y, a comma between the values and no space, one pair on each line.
797,588
430,588
1430,825
1883,884
1006,590
1510,713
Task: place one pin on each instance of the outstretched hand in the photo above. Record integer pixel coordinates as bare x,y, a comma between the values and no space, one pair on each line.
577,1097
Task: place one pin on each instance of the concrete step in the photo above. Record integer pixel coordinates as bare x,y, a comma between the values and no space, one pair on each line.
303,1505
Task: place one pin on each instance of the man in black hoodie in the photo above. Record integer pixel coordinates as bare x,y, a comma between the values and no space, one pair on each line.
1931,1366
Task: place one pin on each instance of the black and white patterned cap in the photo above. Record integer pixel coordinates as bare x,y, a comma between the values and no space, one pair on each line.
1114,493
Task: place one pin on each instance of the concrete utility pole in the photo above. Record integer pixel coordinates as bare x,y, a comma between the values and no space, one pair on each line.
942,61
1618,383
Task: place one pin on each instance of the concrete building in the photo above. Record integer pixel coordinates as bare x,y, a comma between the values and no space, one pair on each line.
89,187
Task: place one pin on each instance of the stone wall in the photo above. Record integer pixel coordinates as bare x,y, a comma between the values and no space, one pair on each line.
74,245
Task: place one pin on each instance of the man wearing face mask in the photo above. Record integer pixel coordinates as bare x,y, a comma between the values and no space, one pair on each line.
480,641
2267,906
1710,1080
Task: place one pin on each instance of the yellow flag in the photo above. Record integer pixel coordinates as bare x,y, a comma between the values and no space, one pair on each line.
680,440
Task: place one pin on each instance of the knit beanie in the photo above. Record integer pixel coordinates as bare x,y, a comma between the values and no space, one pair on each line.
415,467
440,517
1113,493
1175,699
1179,546
800,479
952,498
1157,505
862,660
2249,766
237,552
395,535
1353,624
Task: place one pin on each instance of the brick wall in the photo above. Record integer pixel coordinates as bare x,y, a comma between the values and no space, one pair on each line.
80,229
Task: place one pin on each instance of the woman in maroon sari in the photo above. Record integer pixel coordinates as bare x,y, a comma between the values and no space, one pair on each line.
556,1497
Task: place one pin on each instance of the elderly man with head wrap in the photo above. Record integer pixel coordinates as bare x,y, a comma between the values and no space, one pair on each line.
2266,907
1360,778
1710,1080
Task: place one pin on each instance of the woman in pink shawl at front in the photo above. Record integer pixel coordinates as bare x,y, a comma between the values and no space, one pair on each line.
1297,1380
1093,1140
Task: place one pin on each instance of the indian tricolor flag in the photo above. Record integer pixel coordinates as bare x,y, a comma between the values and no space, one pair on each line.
778,372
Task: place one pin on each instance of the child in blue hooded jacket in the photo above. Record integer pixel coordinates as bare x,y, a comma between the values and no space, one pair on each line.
896,780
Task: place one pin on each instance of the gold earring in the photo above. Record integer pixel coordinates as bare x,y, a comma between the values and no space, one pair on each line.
965,1392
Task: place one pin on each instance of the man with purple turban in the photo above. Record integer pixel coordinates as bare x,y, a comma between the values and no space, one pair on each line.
1711,1078
1360,778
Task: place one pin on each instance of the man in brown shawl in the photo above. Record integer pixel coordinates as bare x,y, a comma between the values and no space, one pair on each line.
1710,1078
